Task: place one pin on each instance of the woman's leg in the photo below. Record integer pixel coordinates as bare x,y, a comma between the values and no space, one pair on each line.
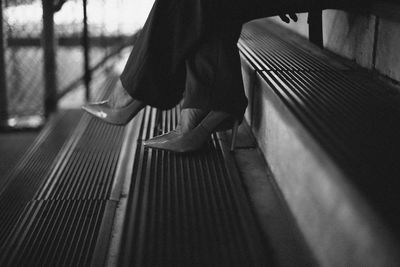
155,71
213,72
213,83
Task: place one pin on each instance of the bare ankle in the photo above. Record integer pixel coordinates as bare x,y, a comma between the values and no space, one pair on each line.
119,97
190,118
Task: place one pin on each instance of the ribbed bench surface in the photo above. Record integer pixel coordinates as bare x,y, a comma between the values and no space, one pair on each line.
188,210
183,210
355,118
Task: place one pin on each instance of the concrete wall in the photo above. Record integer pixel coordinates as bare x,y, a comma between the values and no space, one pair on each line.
337,222
301,27
372,42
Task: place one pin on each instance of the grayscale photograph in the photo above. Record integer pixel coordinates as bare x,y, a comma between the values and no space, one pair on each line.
200,133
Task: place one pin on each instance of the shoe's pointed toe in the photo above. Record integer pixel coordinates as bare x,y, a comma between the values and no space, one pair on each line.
149,142
158,142
152,144
179,143
161,138
116,116
96,109
169,145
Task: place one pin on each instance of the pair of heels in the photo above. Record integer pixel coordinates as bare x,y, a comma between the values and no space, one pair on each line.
176,140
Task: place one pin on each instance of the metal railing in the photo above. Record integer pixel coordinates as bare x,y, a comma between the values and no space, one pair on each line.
3,83
43,61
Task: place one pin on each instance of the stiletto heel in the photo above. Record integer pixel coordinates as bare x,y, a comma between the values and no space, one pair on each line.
234,135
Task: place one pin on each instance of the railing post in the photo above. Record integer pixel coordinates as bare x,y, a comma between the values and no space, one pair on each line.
49,49
315,27
86,47
3,77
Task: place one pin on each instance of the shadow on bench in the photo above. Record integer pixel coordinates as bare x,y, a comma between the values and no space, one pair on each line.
330,135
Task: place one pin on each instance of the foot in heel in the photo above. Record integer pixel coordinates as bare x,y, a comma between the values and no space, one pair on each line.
183,143
119,109
194,139
189,119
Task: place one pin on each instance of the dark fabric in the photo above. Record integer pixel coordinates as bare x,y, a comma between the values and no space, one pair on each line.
213,73
191,45
155,71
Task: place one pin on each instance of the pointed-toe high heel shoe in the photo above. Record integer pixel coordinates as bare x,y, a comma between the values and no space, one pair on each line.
195,139
116,116
162,138
189,119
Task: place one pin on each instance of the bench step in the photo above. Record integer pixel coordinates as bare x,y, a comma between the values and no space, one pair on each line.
328,135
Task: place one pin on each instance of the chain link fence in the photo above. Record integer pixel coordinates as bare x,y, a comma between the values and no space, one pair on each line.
111,24
23,57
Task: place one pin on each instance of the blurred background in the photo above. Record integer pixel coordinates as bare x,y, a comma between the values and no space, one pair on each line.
86,37
316,161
